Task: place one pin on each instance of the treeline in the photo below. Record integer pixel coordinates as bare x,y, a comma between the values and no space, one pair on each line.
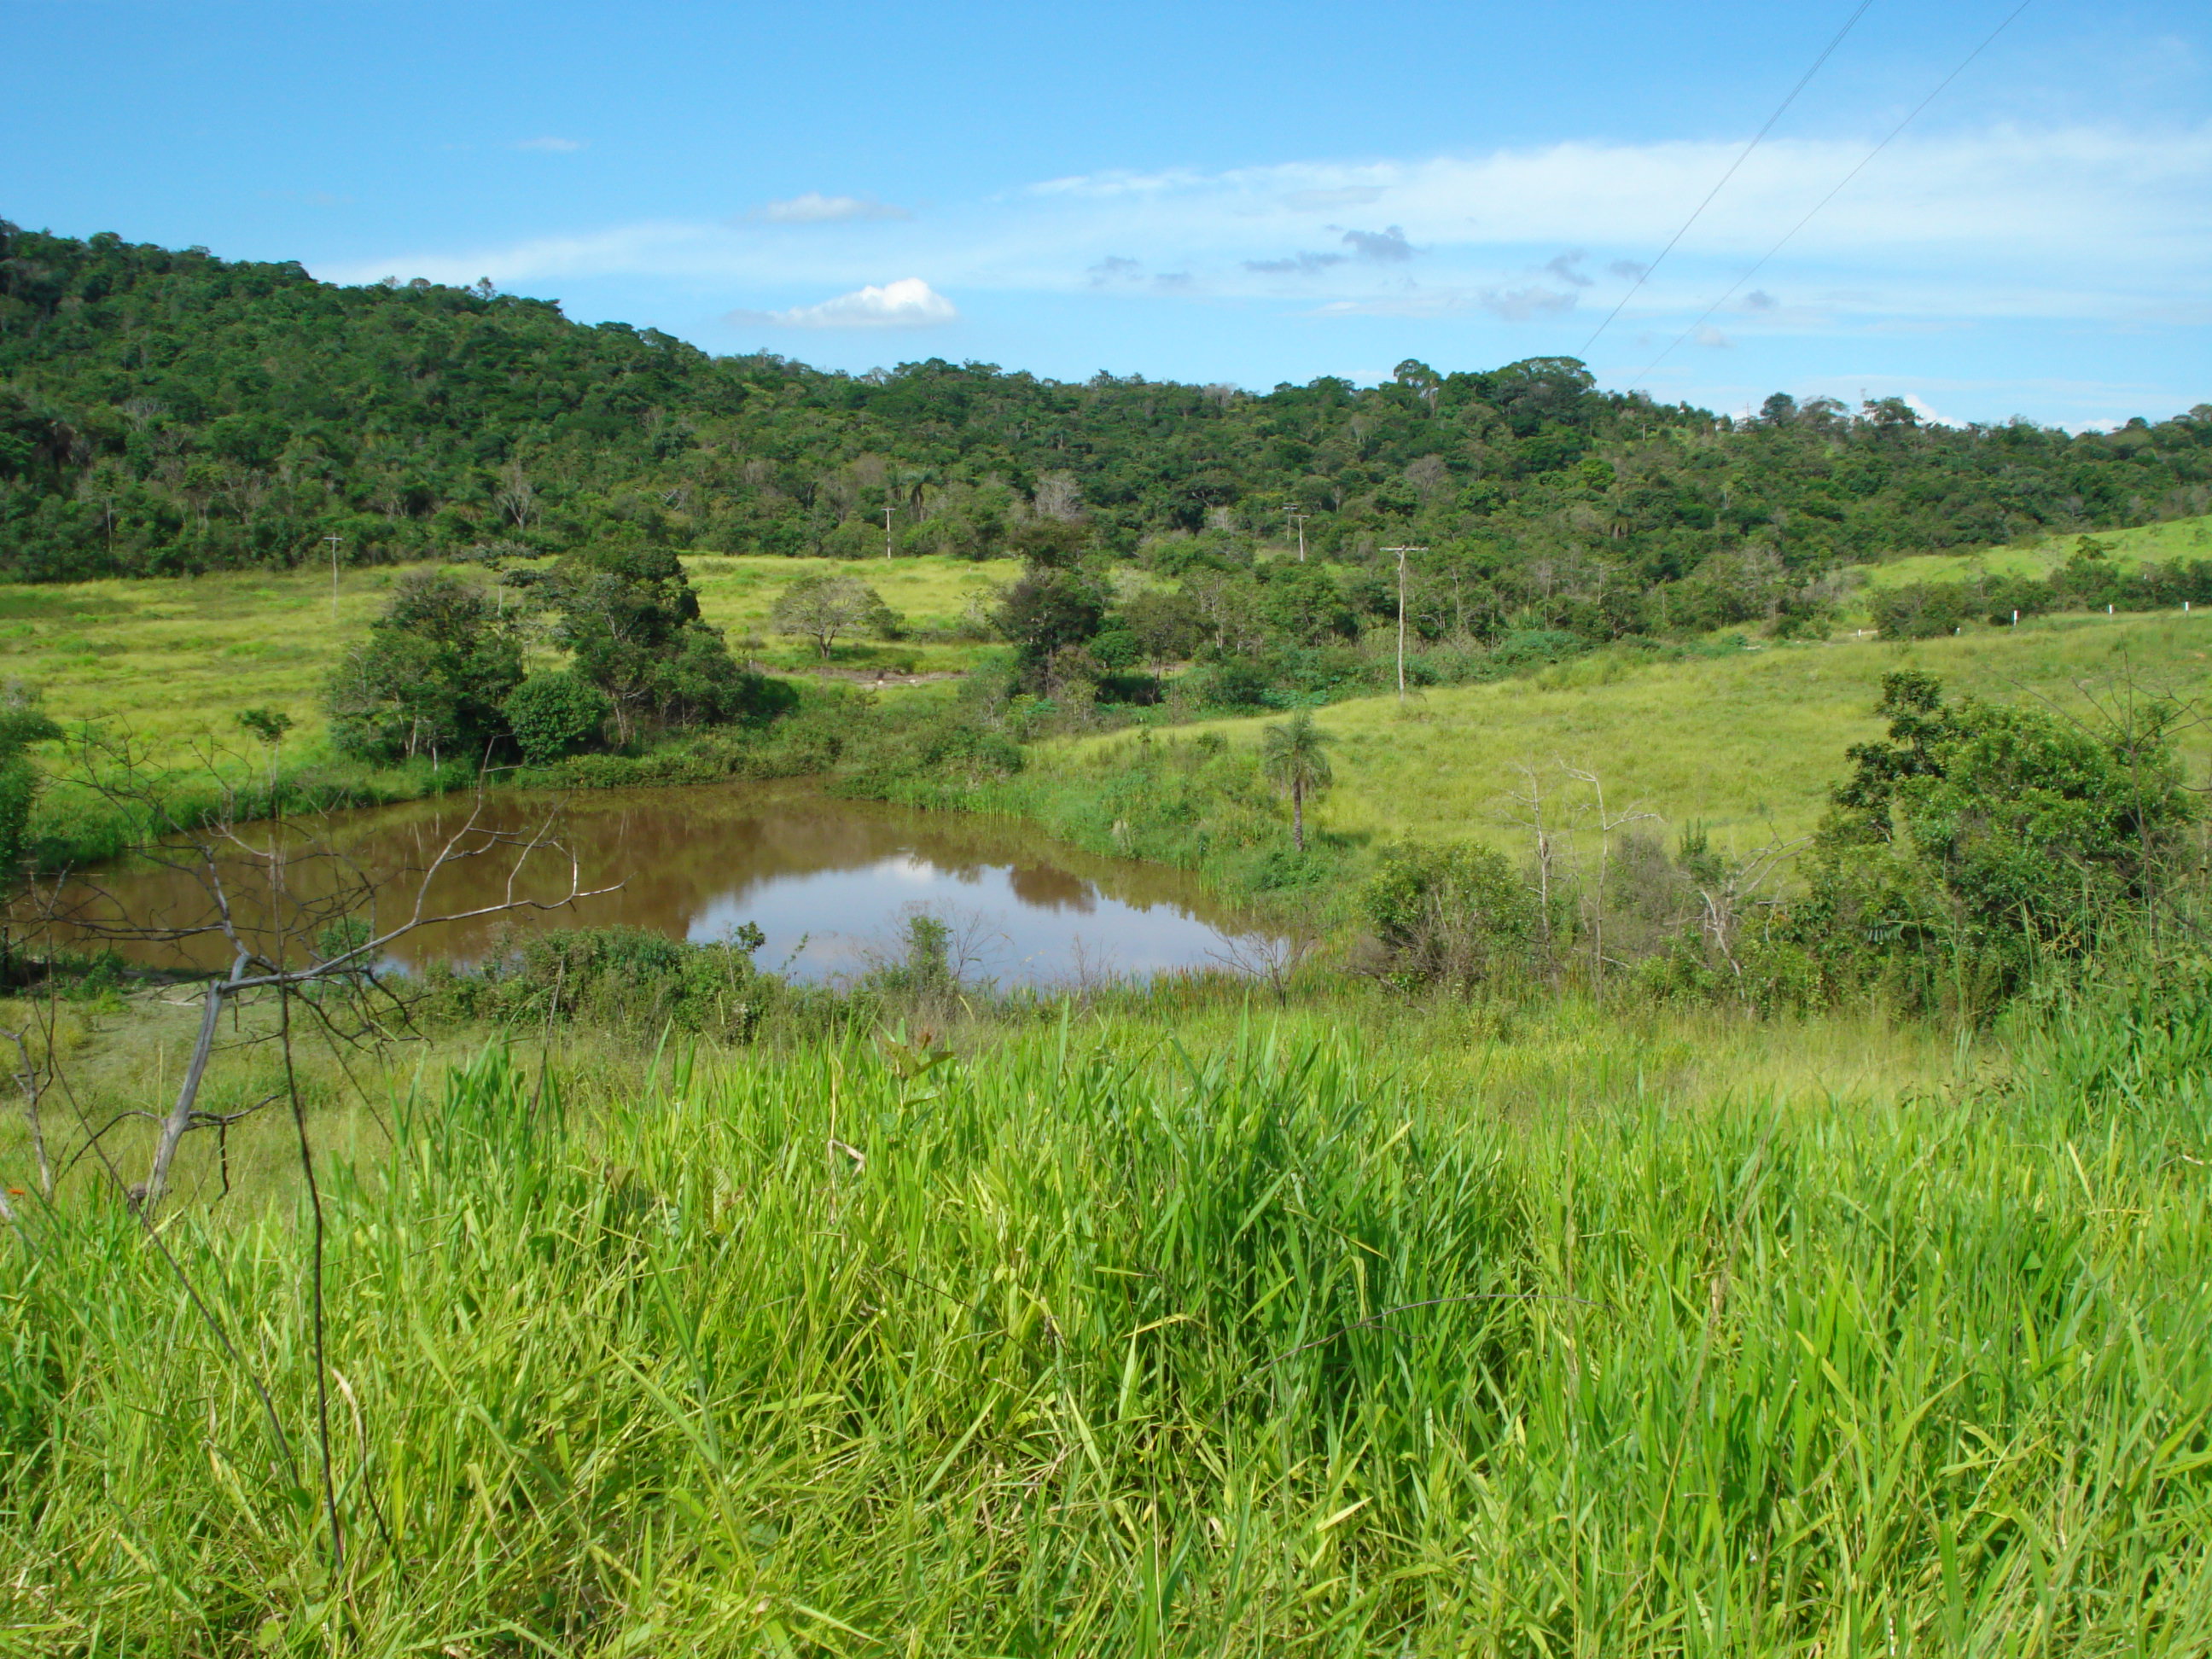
166,412
442,675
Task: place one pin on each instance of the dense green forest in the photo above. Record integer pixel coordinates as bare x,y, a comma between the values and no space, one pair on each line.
171,413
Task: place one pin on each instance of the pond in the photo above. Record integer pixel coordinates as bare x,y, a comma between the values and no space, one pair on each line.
831,883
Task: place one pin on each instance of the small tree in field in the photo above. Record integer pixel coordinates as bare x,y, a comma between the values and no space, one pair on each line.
555,714
431,675
269,725
1294,757
820,608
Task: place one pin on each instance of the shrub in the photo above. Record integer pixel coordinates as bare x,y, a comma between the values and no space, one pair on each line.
1454,914
556,715
628,978
1234,683
1531,646
631,616
1116,648
1983,841
431,678
1922,611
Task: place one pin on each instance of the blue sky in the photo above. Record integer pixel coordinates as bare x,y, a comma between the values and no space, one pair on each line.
1235,192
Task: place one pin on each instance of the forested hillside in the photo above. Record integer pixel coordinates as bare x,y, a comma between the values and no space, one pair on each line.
168,412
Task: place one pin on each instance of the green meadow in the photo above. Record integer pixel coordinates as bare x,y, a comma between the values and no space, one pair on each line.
1747,744
175,660
1538,1214
2175,539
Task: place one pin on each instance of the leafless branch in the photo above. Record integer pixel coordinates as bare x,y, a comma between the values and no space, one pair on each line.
1271,957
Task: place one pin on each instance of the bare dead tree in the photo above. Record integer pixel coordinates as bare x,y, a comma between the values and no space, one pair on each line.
296,921
1608,824
1271,958
1746,884
1528,809
289,909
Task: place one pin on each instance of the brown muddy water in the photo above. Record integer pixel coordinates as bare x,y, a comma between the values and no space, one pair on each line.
831,883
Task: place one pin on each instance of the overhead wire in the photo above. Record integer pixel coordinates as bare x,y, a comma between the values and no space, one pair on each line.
1865,161
1780,110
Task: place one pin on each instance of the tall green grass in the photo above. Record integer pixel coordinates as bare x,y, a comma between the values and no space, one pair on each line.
1087,1345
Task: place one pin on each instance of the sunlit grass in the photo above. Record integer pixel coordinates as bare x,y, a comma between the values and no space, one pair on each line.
1092,1344
2160,544
736,592
176,658
1748,744
1536,1059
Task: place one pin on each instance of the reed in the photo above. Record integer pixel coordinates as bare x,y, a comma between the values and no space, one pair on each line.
1095,1343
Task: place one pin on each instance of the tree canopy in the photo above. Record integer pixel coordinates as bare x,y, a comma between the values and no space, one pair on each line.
167,412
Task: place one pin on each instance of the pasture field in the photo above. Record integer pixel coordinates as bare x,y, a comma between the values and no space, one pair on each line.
2175,539
736,592
1746,745
175,659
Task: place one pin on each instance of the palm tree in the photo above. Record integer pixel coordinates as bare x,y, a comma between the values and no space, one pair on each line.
1294,758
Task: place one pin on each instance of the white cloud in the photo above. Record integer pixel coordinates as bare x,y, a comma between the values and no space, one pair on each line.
815,209
551,146
907,303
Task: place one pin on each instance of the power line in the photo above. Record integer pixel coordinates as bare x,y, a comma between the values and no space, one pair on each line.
1780,109
1988,40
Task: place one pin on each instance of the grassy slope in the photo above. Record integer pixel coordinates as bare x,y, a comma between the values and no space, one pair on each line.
1746,745
2160,544
736,591
176,658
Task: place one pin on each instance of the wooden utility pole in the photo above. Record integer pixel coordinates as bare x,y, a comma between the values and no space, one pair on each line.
1299,520
887,530
335,542
1401,552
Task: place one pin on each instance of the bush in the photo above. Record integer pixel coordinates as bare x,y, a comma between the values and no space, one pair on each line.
1922,611
555,715
1233,683
1455,913
1983,841
1116,648
629,978
1533,646
432,677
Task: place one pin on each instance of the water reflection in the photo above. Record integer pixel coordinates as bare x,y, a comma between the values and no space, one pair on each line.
829,883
